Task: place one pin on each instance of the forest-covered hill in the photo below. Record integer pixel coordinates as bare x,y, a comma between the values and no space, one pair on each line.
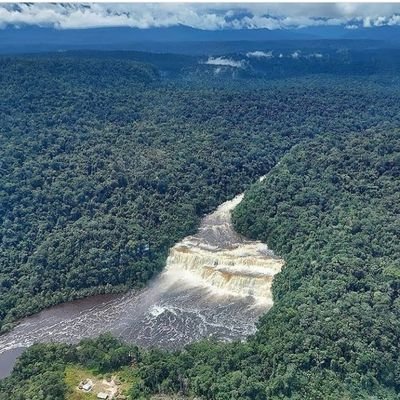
249,61
331,209
105,164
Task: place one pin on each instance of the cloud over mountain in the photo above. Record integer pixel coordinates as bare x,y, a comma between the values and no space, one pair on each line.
203,16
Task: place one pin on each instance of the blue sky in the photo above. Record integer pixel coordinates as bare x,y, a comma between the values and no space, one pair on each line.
203,16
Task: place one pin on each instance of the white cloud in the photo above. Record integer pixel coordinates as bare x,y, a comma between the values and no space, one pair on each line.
202,16
315,55
259,54
226,62
367,23
394,20
295,54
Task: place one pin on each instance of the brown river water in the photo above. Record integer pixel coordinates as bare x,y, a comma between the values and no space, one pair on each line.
215,284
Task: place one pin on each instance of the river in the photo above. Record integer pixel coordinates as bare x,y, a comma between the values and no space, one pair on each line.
216,284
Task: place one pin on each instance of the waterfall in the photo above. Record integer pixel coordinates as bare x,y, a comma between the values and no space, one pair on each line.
190,300
223,261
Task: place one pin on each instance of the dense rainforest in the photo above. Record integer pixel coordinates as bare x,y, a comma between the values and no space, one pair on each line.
105,164
331,208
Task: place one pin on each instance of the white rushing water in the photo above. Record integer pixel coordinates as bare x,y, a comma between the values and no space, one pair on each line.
223,261
216,283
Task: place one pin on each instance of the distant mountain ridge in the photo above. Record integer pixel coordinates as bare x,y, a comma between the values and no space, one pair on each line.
173,39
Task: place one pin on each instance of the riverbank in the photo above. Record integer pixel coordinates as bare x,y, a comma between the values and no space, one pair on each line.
216,283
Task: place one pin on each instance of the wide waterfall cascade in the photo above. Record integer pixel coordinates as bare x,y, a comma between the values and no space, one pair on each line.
216,284
219,258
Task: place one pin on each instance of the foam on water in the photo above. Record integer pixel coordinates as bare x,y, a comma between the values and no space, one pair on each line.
225,262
